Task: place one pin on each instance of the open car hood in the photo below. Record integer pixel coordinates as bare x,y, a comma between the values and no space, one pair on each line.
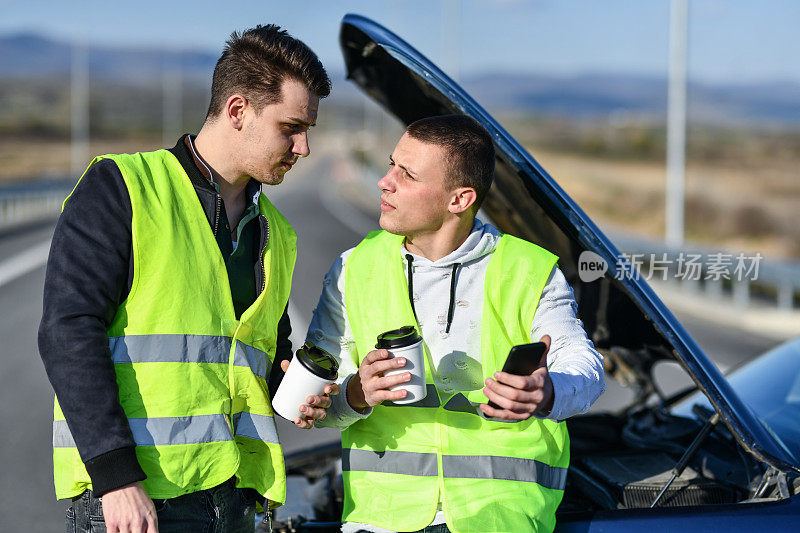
625,319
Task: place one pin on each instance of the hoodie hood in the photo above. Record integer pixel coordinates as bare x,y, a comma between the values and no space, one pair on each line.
482,240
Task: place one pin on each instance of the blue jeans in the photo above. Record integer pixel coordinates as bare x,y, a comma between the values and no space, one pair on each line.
438,528
220,509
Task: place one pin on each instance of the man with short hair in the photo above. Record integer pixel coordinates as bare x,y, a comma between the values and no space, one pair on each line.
451,461
165,309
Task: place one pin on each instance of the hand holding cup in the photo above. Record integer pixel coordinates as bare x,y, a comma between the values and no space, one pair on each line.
316,405
395,371
369,386
309,378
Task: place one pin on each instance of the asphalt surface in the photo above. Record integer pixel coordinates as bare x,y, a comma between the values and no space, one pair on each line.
314,199
27,500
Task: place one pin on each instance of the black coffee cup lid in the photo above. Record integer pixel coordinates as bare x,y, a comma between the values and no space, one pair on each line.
318,362
398,338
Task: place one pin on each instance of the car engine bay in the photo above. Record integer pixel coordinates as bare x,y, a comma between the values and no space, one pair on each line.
618,462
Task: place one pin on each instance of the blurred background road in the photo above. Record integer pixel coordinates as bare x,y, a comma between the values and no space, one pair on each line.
582,86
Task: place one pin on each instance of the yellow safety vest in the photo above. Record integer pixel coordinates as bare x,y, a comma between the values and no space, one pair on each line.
399,462
192,378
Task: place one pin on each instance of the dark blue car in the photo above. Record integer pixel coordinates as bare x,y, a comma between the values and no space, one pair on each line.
741,457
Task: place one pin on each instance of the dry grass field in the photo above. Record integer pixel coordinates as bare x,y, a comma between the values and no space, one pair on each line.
744,199
29,158
751,208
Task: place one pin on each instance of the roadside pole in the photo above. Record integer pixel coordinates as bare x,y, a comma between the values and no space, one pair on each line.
79,108
172,99
676,123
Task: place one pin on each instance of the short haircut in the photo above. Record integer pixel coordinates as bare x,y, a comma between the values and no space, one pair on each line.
256,62
470,151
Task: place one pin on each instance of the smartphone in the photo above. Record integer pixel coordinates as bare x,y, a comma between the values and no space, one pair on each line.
522,360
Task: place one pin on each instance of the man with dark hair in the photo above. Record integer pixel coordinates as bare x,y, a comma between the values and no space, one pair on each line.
470,152
165,309
257,61
451,461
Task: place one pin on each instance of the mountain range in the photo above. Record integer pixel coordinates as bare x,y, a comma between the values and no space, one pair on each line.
32,56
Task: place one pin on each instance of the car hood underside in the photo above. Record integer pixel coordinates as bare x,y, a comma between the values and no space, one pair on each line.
624,318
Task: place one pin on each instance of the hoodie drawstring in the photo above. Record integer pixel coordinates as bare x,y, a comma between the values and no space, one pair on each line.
451,308
410,260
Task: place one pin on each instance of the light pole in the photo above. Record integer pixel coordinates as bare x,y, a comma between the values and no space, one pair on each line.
172,101
79,108
676,123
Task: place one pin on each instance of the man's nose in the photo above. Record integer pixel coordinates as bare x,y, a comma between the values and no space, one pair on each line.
300,146
386,183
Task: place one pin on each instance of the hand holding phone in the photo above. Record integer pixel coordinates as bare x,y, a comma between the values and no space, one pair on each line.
523,360
524,388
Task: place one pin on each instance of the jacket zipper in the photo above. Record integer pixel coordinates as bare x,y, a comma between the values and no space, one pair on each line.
216,214
265,234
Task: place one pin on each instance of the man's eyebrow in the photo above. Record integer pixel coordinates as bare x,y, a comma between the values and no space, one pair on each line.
301,122
395,163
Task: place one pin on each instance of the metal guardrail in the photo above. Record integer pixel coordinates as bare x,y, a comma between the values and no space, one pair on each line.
18,205
777,281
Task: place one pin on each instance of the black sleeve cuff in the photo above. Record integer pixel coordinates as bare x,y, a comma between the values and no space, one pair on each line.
113,470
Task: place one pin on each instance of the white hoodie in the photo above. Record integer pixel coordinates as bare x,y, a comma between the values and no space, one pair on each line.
575,367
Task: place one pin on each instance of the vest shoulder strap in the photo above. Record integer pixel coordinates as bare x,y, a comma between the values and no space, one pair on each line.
374,275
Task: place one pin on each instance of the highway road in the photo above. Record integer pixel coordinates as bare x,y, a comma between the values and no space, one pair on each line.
316,198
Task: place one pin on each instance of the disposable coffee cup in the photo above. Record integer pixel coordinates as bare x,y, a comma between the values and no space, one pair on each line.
310,370
405,342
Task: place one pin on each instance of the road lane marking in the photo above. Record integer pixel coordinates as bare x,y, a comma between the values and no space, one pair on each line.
22,263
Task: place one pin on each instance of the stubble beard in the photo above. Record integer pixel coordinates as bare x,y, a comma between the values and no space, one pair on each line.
383,223
387,224
272,177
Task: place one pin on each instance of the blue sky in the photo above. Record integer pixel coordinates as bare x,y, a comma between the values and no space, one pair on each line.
730,41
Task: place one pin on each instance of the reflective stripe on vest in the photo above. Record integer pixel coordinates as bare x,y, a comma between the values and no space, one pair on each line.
455,466
175,430
187,349
489,475
508,468
389,462
258,427
161,431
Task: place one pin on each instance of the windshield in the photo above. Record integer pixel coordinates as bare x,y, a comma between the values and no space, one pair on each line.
770,385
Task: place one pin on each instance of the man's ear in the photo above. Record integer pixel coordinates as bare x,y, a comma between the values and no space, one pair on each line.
463,198
234,110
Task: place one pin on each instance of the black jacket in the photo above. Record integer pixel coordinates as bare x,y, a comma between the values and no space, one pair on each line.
89,273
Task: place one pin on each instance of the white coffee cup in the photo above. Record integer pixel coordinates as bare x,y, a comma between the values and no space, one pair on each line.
405,342
310,370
